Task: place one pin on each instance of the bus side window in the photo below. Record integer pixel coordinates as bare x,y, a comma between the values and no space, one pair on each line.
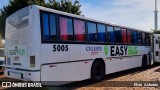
92,32
66,29
150,39
129,36
143,38
139,38
45,27
101,33
53,27
124,36
79,29
147,39
110,34
134,37
117,32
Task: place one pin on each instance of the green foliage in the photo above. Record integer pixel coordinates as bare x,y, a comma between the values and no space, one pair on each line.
53,4
7,10
76,8
14,5
156,31
65,5
36,2
2,26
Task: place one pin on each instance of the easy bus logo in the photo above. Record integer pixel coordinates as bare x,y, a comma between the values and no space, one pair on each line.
132,50
120,50
17,51
106,49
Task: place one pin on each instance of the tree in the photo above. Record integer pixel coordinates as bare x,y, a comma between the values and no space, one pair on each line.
14,5
2,26
36,2
76,8
65,5
156,32
53,4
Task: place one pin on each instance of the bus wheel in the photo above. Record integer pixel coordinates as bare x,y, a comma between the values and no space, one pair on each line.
144,62
97,71
150,60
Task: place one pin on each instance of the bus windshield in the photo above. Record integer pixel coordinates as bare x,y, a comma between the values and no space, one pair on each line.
19,19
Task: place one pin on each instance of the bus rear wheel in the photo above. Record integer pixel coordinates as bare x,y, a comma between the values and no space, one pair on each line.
144,62
97,71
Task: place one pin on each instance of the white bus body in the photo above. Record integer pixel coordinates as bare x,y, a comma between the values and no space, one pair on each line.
156,48
28,59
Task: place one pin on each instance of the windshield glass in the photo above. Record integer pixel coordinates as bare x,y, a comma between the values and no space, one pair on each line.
19,19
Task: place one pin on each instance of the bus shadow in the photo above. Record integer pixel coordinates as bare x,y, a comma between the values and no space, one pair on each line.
109,77
83,83
157,70
5,79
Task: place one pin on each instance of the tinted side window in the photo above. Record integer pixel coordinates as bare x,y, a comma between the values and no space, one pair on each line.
45,27
134,37
118,36
53,27
150,37
143,38
147,39
101,33
92,32
129,36
79,30
139,37
66,29
110,34
124,36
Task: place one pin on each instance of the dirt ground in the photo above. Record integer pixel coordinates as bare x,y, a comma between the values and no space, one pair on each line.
138,75
116,81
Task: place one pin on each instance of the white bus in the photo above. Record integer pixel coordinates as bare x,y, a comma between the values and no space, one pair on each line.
43,44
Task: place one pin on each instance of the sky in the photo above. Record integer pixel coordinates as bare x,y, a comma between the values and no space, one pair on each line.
3,3
131,13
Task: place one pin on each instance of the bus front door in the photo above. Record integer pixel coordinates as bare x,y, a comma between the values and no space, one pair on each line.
157,48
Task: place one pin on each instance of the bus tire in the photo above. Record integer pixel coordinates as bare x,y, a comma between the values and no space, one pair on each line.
144,62
150,59
97,71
